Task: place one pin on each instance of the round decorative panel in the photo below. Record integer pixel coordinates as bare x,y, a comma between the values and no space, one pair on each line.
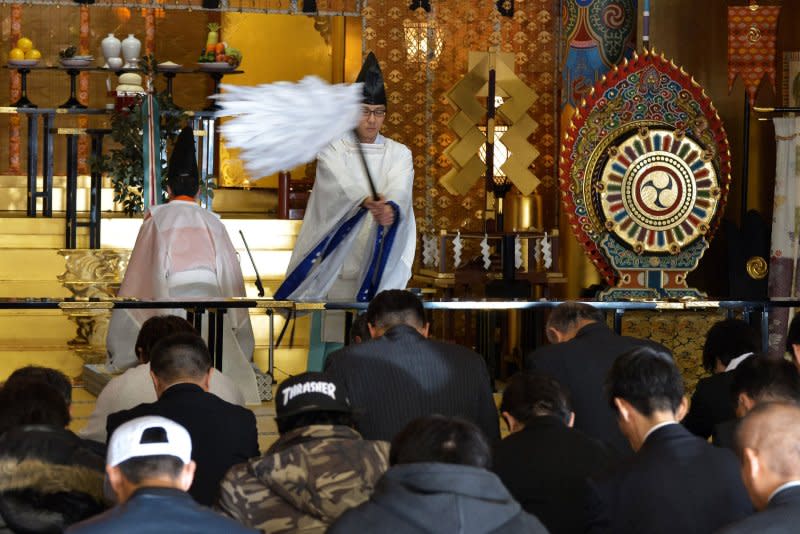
659,191
645,169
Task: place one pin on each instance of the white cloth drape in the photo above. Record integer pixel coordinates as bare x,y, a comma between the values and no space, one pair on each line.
184,251
784,276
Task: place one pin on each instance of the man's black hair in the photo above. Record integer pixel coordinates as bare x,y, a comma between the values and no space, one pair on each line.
648,379
292,422
531,394
793,336
766,379
180,356
566,315
156,328
184,185
30,402
359,330
440,439
140,468
53,377
726,340
395,307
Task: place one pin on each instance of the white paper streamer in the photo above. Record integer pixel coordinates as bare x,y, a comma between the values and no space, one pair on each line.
457,247
428,250
517,252
547,251
485,252
281,125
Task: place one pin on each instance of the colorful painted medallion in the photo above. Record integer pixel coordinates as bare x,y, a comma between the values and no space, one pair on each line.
645,169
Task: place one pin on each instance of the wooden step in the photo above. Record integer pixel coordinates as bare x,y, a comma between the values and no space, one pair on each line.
29,264
63,359
48,242
35,328
33,288
14,193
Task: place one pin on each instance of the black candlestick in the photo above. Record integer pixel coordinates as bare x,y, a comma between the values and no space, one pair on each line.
169,76
217,77
23,101
72,102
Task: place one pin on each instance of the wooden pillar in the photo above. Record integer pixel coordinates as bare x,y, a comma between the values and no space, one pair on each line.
149,31
284,184
83,92
16,91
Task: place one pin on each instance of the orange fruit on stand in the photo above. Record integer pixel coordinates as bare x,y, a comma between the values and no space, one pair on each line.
24,44
33,54
16,53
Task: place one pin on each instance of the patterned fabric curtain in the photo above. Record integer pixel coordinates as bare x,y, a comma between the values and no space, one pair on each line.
784,271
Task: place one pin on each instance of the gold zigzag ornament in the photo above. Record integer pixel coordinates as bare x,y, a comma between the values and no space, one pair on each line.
517,99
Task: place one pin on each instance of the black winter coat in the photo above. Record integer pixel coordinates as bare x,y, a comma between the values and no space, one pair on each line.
49,479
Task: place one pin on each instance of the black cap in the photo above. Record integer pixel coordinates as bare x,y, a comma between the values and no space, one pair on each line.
183,161
372,78
310,392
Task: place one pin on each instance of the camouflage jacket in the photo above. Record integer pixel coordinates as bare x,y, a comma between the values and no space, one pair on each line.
306,480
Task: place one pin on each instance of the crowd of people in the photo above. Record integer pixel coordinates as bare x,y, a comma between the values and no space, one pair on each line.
395,432
400,433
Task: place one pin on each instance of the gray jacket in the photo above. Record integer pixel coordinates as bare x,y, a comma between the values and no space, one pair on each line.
439,498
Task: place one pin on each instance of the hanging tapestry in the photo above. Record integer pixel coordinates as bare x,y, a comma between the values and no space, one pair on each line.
598,34
784,253
791,79
645,171
751,45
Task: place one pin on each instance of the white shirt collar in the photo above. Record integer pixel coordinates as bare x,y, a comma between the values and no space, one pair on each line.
656,427
790,484
734,363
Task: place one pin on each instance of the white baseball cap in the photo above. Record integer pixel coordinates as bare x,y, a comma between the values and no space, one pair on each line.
149,436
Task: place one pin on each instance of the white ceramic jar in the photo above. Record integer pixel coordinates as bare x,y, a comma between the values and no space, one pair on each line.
131,46
111,46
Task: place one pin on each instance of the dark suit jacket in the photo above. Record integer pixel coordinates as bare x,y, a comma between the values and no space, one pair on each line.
581,365
725,434
712,404
782,515
545,466
675,483
402,375
223,434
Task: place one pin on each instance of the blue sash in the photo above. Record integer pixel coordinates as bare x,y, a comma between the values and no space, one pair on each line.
384,240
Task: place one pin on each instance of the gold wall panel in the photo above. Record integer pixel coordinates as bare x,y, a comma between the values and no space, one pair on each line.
684,333
284,47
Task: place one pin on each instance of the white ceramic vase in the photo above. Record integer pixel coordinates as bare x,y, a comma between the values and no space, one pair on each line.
131,46
111,46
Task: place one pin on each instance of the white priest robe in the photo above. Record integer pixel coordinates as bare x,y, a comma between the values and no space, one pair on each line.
184,251
342,254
